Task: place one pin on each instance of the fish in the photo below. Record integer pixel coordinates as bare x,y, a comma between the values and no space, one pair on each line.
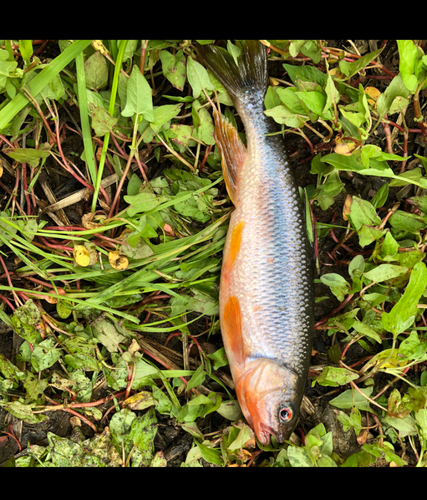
266,295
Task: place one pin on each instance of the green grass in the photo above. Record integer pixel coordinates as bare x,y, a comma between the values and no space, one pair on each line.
86,326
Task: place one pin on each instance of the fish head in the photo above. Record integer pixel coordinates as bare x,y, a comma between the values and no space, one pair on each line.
270,395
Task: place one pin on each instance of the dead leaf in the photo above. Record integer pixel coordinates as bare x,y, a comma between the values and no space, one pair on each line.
363,436
336,72
117,261
87,221
140,401
134,347
81,255
344,148
346,207
168,230
374,93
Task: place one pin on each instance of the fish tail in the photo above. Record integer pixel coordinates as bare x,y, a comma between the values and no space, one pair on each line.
249,72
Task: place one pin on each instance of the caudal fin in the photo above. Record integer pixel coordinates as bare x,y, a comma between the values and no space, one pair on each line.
251,70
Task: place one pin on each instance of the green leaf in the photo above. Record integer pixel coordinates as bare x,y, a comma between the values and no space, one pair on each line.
332,93
219,358
362,212
298,457
306,73
6,70
352,398
356,266
233,50
142,202
173,67
24,412
26,49
368,234
405,426
412,348
406,307
9,370
45,354
412,175
354,420
198,77
337,283
35,387
26,320
96,71
142,432
315,101
351,68
120,427
282,115
385,272
289,97
333,376
27,155
421,419
366,330
380,196
107,334
182,134
83,94
390,246
54,89
406,221
102,121
271,98
396,88
203,124
134,185
163,114
408,55
230,410
342,162
311,49
140,251
197,378
138,97
209,454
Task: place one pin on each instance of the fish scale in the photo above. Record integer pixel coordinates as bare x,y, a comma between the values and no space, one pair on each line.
273,214
266,290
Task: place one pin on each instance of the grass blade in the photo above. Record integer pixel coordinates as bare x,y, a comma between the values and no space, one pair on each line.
84,116
111,111
40,81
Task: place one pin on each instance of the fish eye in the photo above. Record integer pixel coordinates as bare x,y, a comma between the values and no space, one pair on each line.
286,413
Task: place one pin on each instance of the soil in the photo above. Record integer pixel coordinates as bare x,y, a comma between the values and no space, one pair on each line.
170,438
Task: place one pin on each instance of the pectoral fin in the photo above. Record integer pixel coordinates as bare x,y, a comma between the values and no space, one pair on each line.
233,152
232,329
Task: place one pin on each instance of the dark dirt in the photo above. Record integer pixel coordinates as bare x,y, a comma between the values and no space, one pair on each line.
170,438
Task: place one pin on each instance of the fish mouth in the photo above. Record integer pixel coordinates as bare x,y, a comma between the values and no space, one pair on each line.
264,432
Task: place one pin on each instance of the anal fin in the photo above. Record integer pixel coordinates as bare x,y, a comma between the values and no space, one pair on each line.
232,150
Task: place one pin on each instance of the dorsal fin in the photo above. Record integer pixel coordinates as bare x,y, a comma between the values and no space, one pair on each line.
233,152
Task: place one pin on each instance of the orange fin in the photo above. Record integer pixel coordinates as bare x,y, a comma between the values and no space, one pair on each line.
233,152
232,328
234,247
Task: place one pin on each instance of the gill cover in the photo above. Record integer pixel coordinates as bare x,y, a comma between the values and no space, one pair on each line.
269,397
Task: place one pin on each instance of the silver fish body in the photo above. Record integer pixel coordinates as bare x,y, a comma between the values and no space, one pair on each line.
266,290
